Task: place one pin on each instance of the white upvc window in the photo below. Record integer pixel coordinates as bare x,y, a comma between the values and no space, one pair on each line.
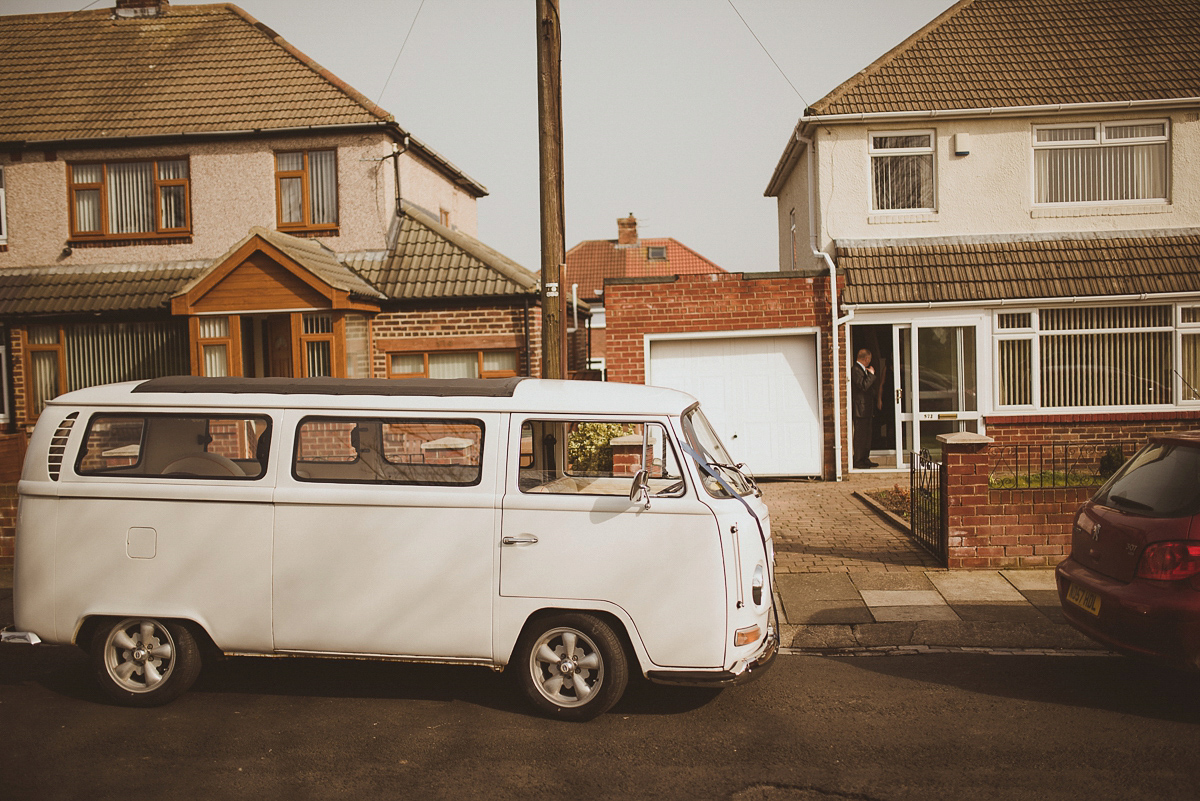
1102,162
1189,348
1096,357
902,170
1016,354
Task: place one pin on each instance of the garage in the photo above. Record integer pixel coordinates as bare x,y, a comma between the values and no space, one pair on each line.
760,390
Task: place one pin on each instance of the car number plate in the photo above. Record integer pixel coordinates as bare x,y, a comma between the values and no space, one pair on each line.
1084,599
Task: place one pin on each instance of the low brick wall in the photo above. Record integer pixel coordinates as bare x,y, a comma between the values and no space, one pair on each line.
999,528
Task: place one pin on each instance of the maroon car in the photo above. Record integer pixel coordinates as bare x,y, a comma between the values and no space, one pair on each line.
1132,581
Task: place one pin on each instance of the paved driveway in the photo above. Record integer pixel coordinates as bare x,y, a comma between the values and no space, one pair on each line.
819,527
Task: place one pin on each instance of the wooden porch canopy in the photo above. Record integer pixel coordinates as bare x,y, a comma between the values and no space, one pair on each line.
278,281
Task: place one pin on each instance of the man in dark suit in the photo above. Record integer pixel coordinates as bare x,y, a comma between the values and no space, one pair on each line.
862,402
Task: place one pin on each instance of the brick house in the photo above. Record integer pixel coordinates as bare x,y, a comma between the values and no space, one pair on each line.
593,261
1009,202
231,209
182,191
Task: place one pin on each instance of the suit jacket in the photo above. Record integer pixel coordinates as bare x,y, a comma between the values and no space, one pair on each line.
862,400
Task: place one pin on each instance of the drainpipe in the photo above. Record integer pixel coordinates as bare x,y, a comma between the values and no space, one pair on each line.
575,307
835,321
396,154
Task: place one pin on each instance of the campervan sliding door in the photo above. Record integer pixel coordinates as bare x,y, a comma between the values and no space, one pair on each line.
385,534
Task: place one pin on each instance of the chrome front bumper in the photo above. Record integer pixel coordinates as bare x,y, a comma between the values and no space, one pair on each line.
24,637
744,671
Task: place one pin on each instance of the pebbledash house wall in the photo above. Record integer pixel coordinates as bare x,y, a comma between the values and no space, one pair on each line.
716,302
231,188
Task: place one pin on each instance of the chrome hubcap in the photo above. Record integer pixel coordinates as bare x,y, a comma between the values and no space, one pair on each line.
139,655
566,666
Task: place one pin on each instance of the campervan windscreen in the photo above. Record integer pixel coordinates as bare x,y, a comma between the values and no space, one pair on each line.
704,440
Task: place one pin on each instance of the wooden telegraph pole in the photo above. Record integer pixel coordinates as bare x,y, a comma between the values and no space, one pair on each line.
550,150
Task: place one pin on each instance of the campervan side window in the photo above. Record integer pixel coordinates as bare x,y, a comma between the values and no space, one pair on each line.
175,446
440,453
596,458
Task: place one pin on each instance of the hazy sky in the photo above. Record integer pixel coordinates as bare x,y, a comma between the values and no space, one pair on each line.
671,109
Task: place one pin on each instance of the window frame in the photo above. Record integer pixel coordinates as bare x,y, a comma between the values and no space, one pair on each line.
157,184
479,353
144,417
308,338
567,425
382,420
306,225
1100,141
59,348
1036,332
226,341
873,153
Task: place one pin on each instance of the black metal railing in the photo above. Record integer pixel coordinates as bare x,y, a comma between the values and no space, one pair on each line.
927,514
1059,464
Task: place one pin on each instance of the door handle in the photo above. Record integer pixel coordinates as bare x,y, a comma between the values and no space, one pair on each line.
528,539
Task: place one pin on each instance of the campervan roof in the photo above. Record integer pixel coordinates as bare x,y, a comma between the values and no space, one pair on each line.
483,394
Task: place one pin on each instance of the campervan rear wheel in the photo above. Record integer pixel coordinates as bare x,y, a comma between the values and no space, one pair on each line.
572,666
143,661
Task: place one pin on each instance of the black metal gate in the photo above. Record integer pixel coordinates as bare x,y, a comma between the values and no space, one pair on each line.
927,493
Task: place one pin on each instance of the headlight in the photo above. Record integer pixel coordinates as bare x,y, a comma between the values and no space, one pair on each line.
756,585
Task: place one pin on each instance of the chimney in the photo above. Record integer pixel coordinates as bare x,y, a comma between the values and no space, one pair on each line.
140,8
627,230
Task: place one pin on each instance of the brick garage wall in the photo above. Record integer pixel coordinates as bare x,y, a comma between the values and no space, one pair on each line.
459,326
716,302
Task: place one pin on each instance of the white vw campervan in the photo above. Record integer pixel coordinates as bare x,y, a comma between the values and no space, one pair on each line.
568,531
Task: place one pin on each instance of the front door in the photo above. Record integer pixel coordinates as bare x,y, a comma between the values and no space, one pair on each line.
278,341
939,391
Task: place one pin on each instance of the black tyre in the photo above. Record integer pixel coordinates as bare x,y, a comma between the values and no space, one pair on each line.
144,662
572,666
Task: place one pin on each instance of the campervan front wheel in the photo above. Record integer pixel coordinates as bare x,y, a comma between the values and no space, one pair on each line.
143,661
572,666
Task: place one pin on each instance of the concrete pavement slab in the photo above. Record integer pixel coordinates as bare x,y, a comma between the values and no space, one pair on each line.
1042,579
975,586
873,598
805,588
1000,613
891,581
829,612
821,637
892,614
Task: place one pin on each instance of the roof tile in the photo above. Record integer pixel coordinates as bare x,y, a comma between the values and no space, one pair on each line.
1002,53
944,273
202,68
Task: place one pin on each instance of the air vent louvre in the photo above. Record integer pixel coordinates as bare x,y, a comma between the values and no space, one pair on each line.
58,446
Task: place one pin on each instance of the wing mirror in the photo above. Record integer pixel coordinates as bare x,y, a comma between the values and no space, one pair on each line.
640,491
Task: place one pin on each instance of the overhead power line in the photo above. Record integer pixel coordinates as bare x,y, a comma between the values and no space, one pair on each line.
402,45
768,52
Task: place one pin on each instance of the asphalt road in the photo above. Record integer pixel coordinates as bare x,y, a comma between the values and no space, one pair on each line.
883,727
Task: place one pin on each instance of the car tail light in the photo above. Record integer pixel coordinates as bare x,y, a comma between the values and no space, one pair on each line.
1169,561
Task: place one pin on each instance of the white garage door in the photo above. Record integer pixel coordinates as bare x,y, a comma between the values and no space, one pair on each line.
761,393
